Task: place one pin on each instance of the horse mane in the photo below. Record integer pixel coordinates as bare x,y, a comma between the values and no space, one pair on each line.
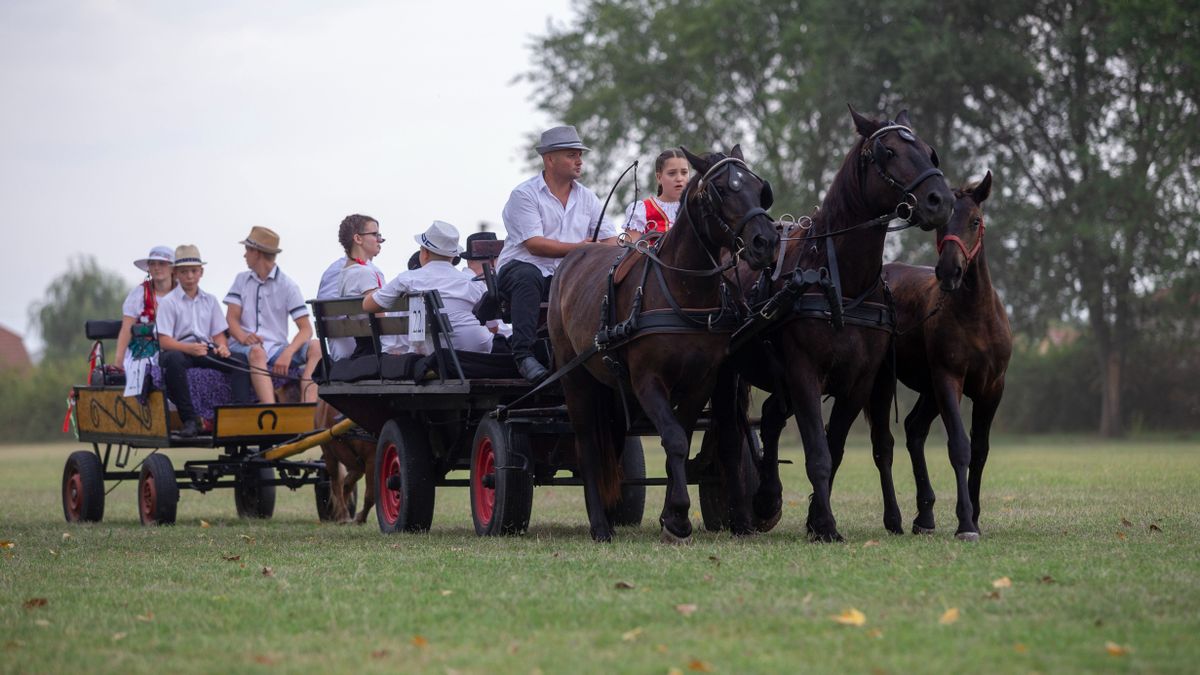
844,201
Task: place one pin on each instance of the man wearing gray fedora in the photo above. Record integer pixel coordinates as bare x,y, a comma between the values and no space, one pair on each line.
547,217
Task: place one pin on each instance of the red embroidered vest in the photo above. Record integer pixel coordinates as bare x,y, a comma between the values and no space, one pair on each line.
656,220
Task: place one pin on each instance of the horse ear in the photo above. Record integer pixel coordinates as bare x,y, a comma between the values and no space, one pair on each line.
698,163
863,125
980,192
902,118
736,152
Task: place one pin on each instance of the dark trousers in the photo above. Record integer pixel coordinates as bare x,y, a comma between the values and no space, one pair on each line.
525,289
175,365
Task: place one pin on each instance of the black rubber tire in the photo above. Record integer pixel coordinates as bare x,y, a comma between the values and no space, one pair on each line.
404,452
253,496
714,507
629,510
324,504
505,508
158,491
83,488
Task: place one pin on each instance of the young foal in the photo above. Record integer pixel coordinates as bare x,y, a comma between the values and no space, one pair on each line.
889,171
358,458
670,369
953,339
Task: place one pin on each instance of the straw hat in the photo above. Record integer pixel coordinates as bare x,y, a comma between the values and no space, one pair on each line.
187,255
263,239
158,253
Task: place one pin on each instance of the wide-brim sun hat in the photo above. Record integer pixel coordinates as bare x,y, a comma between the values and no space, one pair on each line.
263,239
441,238
560,138
188,255
159,254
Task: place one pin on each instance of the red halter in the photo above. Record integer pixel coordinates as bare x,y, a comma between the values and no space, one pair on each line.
970,255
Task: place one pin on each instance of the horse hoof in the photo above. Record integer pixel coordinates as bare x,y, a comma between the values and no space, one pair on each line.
894,529
826,537
966,536
668,537
768,524
917,529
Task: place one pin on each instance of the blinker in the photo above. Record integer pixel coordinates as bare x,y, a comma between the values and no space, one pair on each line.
735,183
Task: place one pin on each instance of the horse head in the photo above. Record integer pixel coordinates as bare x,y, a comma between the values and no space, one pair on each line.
730,205
965,231
905,175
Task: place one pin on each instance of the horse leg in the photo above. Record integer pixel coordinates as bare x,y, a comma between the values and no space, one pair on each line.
806,396
882,446
366,454
731,447
841,418
982,414
653,394
949,392
916,429
768,499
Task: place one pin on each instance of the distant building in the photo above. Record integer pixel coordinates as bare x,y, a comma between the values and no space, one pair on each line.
13,355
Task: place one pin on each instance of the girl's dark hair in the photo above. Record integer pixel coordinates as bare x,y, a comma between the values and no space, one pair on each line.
661,161
352,225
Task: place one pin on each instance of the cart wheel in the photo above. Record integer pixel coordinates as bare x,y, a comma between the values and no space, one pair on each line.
325,504
404,478
158,493
83,488
714,507
629,509
501,486
253,494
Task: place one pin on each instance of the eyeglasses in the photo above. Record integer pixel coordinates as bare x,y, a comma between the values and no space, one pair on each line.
374,234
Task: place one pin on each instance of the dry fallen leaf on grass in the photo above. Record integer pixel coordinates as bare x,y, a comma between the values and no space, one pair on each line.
993,595
870,542
631,635
1047,579
7,543
715,559
850,617
420,642
264,659
32,603
875,633
949,616
231,558
623,586
42,622
53,553
147,617
380,653
687,609
1120,535
1155,528
66,536
1115,649
674,671
1020,648
204,523
1002,582
246,538
446,592
118,636
268,571
699,666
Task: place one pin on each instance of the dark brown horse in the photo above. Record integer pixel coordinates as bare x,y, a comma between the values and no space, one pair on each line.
668,370
953,339
834,269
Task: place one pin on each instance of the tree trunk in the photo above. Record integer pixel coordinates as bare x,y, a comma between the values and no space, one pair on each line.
1110,394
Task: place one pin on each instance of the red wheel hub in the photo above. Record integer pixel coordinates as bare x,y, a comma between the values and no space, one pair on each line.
484,497
389,500
147,499
74,496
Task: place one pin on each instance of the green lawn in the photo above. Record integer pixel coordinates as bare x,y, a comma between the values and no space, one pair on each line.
1066,520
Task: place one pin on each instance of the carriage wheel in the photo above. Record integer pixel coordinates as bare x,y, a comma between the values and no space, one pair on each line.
404,478
83,488
158,493
325,503
253,494
501,486
629,509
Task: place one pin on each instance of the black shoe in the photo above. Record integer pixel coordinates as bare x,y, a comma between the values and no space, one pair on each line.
531,369
191,429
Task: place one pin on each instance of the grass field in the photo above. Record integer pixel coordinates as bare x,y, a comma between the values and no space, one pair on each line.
1070,576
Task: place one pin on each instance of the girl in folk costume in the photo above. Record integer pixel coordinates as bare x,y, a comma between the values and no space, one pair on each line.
658,213
137,345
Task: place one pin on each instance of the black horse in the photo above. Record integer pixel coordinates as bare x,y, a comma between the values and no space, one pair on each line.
827,326
670,362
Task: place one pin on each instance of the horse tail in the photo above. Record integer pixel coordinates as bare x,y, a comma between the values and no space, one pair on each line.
609,446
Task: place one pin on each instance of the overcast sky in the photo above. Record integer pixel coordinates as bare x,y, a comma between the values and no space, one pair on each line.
128,124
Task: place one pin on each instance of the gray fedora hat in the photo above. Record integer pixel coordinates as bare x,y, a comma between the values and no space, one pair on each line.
560,138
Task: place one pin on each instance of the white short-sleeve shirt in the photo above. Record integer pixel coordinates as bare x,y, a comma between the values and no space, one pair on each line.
533,211
190,319
266,305
331,278
348,279
459,295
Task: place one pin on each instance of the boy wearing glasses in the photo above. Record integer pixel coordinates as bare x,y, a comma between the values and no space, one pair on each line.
354,273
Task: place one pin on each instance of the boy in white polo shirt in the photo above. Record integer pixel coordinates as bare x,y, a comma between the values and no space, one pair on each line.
260,302
188,320
439,246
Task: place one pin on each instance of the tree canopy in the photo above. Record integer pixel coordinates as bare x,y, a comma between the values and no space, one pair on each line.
83,292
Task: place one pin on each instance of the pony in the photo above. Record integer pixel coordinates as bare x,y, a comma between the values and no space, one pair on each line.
805,341
356,457
668,351
953,339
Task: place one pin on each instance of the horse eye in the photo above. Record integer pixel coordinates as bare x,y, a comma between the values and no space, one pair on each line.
975,222
933,156
890,153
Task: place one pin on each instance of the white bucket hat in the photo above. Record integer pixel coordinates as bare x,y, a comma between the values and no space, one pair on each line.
159,253
441,238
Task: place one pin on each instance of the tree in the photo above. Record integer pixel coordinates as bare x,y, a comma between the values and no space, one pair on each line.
1085,112
83,292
